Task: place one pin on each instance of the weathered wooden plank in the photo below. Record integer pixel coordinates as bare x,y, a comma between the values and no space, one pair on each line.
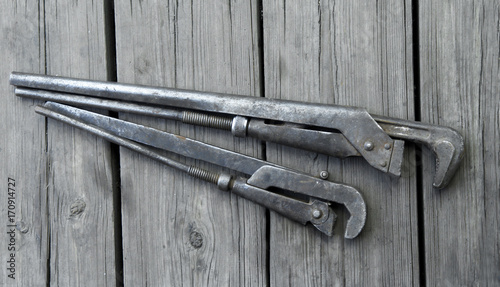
22,148
177,230
459,52
80,201
349,53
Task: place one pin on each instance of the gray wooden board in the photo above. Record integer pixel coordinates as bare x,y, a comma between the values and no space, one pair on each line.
349,53
63,177
334,52
178,230
460,76
22,146
80,201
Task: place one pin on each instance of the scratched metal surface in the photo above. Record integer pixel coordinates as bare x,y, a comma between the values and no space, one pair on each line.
167,229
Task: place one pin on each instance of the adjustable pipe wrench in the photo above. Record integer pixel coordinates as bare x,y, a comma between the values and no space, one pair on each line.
334,130
264,175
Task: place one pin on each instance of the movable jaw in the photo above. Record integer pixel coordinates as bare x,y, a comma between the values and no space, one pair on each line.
326,221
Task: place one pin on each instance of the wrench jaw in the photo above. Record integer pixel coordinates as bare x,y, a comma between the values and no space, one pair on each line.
327,226
446,144
324,219
449,152
316,212
357,208
396,158
270,176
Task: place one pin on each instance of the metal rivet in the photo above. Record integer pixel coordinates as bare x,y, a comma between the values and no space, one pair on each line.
368,145
383,163
387,146
323,174
196,239
317,213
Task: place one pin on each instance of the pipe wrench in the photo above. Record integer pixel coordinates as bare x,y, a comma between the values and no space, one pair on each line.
261,185
339,131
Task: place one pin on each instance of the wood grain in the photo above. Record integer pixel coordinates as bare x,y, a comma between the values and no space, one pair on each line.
459,52
22,147
348,53
80,201
177,230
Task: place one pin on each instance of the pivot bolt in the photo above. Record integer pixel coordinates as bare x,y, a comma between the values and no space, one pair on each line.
317,213
323,174
387,146
369,146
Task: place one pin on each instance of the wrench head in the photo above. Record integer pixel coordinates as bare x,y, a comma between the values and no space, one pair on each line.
270,176
446,144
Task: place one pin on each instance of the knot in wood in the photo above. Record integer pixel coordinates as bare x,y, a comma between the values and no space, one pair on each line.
22,226
196,239
77,208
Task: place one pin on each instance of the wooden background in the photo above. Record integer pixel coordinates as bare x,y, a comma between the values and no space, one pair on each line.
91,214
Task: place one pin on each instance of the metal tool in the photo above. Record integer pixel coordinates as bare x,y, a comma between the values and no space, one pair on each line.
356,125
263,175
334,130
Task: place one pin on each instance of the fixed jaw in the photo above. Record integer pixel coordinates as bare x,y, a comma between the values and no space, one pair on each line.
446,144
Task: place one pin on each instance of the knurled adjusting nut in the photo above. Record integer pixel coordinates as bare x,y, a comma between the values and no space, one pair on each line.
224,181
239,126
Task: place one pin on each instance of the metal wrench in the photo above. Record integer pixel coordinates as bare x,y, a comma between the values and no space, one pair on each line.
264,175
356,125
446,144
